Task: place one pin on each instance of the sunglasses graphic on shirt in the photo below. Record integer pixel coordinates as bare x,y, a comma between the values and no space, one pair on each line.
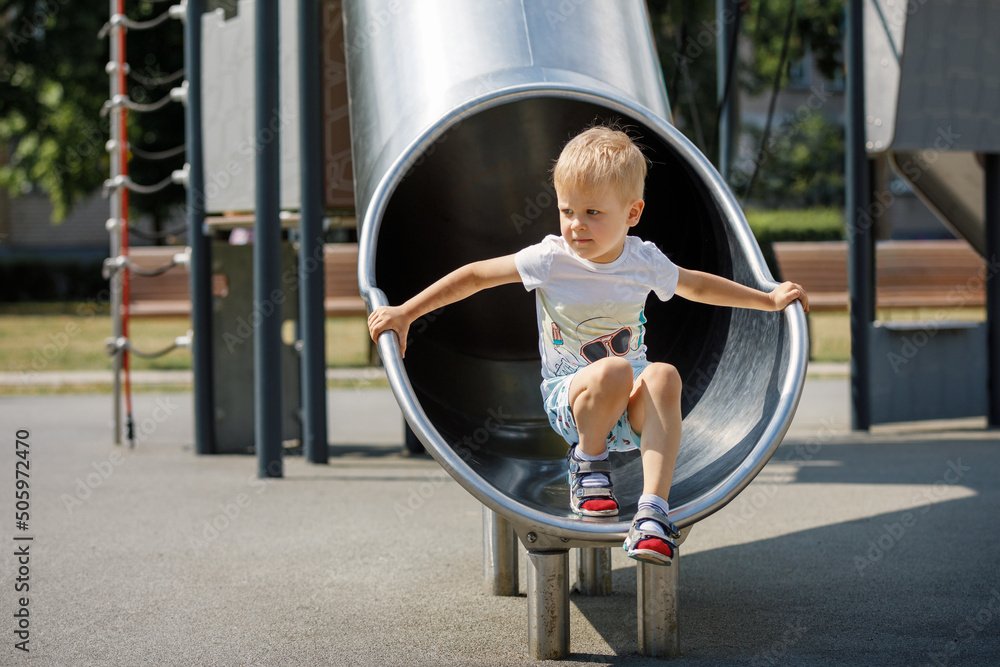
616,343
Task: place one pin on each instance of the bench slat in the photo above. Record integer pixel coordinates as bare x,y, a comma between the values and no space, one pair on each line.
169,293
910,274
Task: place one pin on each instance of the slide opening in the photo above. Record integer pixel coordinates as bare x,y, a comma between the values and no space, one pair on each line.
483,190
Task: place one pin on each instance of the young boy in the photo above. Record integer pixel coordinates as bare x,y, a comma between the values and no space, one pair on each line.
591,284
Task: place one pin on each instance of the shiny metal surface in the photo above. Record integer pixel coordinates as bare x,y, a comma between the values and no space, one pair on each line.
458,110
593,571
500,571
548,605
949,183
657,598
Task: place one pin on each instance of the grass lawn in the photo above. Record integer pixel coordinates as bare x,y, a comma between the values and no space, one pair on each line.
45,337
64,337
829,336
830,332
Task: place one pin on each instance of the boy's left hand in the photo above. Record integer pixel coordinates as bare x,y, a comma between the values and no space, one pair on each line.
785,293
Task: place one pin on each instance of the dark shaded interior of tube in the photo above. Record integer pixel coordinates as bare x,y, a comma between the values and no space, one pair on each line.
483,190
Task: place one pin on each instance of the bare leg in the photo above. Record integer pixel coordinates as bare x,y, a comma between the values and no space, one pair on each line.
654,410
598,396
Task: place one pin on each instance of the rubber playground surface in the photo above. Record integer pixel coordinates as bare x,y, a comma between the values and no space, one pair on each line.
866,549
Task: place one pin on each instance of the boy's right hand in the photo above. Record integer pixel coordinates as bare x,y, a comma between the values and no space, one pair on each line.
389,318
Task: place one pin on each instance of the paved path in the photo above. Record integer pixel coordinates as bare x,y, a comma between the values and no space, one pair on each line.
875,549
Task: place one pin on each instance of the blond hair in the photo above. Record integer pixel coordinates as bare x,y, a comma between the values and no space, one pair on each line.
602,157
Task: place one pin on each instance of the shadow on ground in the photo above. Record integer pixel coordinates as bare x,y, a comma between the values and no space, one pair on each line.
916,586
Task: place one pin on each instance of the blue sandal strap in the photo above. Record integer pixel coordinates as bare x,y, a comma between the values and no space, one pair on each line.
590,492
588,467
657,516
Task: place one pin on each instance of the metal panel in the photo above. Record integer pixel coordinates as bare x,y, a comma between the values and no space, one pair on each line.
884,28
228,98
289,116
944,92
234,323
227,109
949,92
927,370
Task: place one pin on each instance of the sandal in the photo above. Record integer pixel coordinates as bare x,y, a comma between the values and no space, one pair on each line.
579,494
638,537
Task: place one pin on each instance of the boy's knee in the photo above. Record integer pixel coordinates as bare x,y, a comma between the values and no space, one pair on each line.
663,377
613,373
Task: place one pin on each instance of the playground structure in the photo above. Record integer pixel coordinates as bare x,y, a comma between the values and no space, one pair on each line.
119,267
924,92
483,115
456,113
462,175
443,130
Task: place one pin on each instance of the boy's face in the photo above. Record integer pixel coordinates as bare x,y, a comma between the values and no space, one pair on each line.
594,223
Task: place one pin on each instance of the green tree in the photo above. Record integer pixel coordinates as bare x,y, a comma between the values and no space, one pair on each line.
686,33
53,86
802,166
817,29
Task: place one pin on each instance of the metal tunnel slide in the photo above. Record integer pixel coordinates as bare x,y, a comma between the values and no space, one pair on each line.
458,110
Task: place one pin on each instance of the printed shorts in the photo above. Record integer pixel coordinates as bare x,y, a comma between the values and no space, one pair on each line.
557,409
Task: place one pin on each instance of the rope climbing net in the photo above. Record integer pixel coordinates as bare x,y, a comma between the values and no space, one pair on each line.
118,268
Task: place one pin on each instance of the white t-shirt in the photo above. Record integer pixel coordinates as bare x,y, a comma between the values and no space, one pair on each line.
586,310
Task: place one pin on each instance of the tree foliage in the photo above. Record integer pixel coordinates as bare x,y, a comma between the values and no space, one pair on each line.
817,32
803,166
686,34
53,86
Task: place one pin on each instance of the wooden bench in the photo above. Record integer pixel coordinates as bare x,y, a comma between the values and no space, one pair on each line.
165,295
341,280
910,274
168,294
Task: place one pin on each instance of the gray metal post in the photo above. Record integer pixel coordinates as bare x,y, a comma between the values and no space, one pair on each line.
727,18
992,187
593,571
117,216
312,315
200,242
499,555
548,605
267,240
657,609
860,232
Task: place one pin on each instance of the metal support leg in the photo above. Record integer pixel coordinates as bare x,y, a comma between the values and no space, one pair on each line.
657,598
991,170
593,571
860,235
312,315
499,555
266,248
548,605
